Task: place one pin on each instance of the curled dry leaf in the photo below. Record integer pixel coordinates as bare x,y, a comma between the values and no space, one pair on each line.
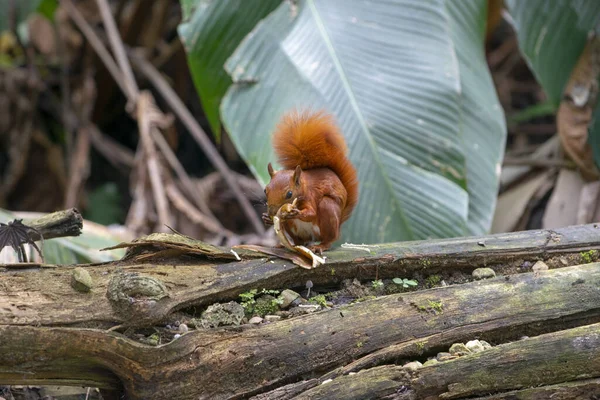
285,239
299,255
282,235
575,112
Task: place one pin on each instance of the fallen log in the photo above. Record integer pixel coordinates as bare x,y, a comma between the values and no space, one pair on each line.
196,274
238,362
538,364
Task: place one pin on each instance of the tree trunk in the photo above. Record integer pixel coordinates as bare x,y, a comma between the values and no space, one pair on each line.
50,333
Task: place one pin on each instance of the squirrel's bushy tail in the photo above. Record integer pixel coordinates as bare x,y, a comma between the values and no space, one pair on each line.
313,140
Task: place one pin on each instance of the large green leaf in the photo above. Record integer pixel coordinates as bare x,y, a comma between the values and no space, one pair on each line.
211,31
552,35
483,125
409,87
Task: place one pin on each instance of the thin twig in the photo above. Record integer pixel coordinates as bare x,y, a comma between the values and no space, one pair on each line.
65,89
155,24
181,203
148,117
96,43
119,50
78,167
201,138
497,56
137,215
116,154
167,52
189,186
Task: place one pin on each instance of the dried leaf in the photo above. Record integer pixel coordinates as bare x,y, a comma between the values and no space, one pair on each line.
575,112
285,240
515,204
564,203
588,203
280,252
156,244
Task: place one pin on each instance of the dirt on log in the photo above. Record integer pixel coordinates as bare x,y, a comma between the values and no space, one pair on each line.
52,334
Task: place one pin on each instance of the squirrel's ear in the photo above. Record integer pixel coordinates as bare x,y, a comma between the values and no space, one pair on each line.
271,170
296,176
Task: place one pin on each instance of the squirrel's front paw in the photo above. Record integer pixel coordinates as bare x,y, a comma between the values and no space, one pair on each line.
290,213
267,220
319,248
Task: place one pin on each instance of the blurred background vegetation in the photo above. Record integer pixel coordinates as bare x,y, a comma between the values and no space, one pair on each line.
463,117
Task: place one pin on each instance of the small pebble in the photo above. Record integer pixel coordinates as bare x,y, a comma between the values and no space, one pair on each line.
255,320
526,265
539,266
81,280
483,273
183,328
412,366
326,381
459,349
272,318
485,344
474,346
563,261
298,301
430,362
288,296
177,336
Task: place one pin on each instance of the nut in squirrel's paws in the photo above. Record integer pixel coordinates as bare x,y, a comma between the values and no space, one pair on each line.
293,213
289,210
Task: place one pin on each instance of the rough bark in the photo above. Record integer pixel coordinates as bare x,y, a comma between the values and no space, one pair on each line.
58,224
47,329
196,274
548,359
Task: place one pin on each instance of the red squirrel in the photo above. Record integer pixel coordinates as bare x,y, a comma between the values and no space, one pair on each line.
317,172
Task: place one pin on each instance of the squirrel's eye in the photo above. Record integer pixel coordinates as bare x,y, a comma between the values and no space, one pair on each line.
265,190
288,195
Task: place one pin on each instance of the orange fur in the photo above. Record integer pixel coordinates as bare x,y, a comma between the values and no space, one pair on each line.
311,141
